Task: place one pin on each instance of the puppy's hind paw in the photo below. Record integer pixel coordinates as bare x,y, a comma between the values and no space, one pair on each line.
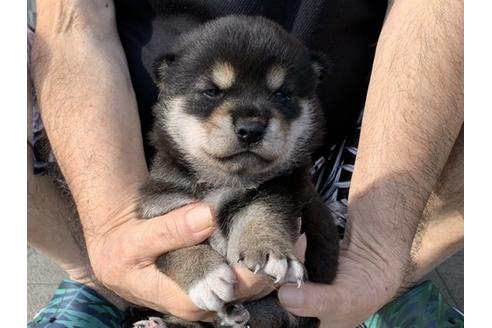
153,322
214,290
235,315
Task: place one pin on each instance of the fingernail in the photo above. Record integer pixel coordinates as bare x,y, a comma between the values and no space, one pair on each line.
199,218
291,297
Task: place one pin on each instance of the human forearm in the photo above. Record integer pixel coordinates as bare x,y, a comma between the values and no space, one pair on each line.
90,115
412,118
82,80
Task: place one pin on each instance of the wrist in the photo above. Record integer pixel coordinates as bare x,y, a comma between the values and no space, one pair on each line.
381,253
106,244
384,214
383,267
100,220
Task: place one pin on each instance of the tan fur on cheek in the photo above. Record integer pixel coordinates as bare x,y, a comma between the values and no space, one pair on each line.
274,141
220,131
275,77
284,138
220,120
282,123
223,75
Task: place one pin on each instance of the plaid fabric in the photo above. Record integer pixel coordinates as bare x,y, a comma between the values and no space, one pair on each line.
331,176
77,306
40,162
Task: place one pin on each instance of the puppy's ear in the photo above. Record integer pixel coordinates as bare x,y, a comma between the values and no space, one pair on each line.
322,64
161,65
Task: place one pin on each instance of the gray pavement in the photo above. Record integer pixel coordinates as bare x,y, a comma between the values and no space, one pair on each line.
43,278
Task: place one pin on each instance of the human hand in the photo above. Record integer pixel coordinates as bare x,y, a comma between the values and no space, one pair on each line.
365,281
123,259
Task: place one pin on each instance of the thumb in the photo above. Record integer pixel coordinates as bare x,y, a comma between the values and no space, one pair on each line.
183,227
310,300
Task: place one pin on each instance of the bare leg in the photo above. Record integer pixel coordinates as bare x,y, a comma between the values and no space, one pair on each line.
47,227
440,234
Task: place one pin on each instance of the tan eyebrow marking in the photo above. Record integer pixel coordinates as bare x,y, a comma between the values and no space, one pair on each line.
223,75
275,77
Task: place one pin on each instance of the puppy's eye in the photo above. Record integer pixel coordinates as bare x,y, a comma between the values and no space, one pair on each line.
212,93
281,95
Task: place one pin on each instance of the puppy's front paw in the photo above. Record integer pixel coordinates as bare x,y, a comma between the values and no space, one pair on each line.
214,290
280,265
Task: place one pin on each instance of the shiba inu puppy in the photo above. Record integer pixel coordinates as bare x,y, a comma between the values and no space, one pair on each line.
235,124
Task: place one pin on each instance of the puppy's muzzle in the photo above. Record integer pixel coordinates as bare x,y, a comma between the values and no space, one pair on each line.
249,131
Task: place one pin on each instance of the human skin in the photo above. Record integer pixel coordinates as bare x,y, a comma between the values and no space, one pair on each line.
90,114
412,122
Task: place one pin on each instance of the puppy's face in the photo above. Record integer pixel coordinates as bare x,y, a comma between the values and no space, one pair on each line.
238,99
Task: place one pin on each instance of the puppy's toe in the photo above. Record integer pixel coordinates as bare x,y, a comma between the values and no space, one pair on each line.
296,272
276,268
214,289
153,322
255,261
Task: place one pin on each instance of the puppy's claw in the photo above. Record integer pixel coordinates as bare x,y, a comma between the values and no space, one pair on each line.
296,273
276,267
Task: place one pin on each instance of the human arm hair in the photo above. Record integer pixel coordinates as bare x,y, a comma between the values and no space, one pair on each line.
412,118
91,118
82,81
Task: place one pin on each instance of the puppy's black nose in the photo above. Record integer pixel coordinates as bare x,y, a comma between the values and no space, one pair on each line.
250,131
